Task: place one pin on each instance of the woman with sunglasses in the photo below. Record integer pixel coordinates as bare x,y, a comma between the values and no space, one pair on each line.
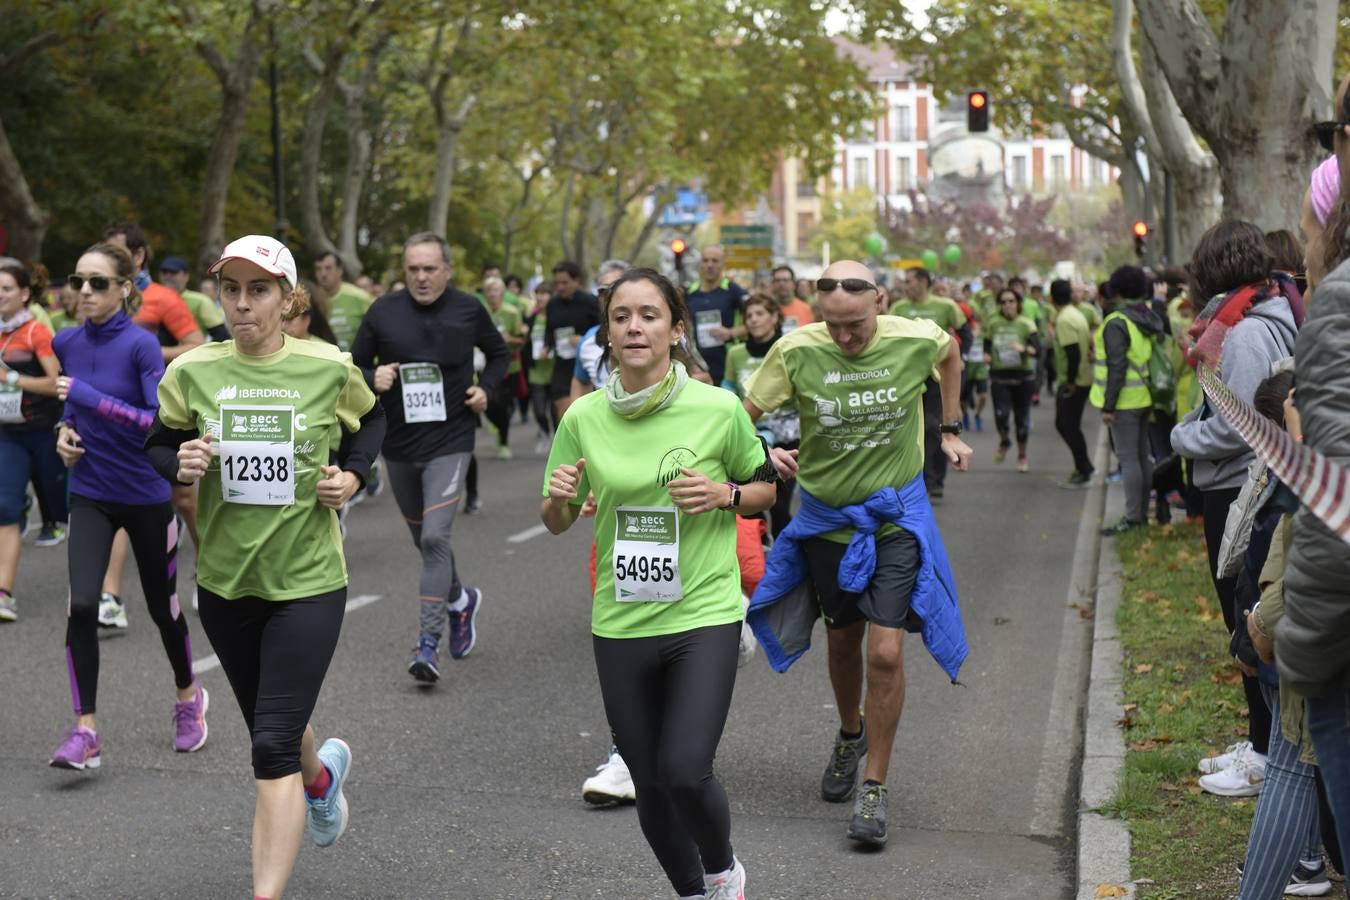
1011,346
665,458
28,410
281,434
112,369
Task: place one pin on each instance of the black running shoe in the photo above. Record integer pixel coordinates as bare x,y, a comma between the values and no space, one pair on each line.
841,774
869,816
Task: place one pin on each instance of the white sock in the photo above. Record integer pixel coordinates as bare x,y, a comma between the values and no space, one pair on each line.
462,603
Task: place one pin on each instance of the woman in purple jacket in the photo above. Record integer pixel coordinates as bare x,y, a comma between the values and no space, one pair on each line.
111,371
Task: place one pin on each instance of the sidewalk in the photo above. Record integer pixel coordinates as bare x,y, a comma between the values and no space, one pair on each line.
1103,842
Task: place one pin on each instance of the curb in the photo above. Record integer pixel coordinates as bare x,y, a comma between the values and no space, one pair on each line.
1103,842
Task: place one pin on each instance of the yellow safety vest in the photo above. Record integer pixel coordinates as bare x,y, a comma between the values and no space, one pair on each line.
1135,393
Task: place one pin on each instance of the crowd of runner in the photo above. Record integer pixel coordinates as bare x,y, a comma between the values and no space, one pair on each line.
799,430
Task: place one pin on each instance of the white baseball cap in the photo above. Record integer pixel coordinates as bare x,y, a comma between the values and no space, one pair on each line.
267,253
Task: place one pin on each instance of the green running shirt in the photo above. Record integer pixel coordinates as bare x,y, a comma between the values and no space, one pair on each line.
272,552
628,464
861,416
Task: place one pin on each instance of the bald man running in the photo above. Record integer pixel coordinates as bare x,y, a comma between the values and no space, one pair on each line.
857,380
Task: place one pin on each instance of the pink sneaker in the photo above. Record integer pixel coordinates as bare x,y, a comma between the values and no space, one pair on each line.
189,722
80,750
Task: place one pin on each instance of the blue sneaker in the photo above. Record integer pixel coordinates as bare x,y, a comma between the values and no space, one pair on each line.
426,661
979,423
463,628
326,817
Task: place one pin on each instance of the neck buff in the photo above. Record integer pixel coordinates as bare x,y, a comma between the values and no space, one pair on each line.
649,399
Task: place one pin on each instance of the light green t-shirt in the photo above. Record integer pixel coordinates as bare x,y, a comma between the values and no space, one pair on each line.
629,464
204,310
937,309
1071,327
740,366
277,552
346,309
41,315
1091,313
541,370
507,319
61,320
861,416
1003,334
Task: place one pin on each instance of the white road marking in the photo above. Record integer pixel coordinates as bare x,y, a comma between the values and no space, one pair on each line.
207,663
528,533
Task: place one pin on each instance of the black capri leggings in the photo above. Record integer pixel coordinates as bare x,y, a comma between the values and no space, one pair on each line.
1012,396
153,532
666,699
275,654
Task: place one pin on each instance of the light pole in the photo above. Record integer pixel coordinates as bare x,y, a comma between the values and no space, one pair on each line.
278,176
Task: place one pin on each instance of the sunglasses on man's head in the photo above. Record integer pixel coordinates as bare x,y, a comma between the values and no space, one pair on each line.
1326,133
850,285
98,283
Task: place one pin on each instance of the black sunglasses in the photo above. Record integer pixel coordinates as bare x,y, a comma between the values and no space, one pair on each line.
850,285
1326,133
98,283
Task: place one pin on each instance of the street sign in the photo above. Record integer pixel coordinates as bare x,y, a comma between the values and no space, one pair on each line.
747,236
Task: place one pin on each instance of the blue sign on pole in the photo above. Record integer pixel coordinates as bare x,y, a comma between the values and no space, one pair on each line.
690,208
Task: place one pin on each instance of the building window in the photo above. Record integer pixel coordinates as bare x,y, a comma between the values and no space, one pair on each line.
904,173
1019,172
861,176
902,124
1057,172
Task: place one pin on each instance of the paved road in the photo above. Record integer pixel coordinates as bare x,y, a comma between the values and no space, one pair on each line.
471,789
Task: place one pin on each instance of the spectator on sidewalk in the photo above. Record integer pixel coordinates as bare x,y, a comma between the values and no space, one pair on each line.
1248,323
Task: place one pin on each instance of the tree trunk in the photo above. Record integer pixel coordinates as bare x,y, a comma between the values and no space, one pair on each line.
236,86
1250,94
438,216
1133,189
311,157
19,212
353,182
220,163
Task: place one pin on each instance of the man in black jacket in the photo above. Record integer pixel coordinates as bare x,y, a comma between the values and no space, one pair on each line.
416,346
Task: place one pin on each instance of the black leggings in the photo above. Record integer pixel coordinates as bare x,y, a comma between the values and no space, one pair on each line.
545,414
1070,402
1012,397
1216,505
499,410
666,699
275,654
153,532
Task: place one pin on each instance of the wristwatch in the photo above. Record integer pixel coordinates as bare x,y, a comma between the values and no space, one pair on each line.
953,428
735,495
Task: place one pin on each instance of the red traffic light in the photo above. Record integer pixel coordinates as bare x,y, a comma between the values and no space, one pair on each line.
678,245
1141,229
978,99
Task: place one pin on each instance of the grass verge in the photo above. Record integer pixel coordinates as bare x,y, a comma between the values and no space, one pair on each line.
1183,700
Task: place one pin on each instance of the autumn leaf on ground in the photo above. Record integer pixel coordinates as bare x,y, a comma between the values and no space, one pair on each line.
1143,668
1110,890
1165,708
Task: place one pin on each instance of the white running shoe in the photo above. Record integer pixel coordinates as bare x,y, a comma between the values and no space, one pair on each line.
1244,777
1211,764
728,885
611,783
112,612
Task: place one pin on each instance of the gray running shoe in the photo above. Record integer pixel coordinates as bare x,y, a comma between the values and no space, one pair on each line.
869,816
841,774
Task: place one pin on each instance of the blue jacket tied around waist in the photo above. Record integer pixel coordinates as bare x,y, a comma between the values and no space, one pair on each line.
783,610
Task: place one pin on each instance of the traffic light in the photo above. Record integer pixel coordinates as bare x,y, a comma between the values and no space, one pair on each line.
977,111
1140,231
678,246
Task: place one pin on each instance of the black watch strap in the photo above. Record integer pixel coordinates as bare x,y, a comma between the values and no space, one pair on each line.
952,428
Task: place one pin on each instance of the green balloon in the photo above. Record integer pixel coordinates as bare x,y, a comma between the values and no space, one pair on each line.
874,244
930,259
952,254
